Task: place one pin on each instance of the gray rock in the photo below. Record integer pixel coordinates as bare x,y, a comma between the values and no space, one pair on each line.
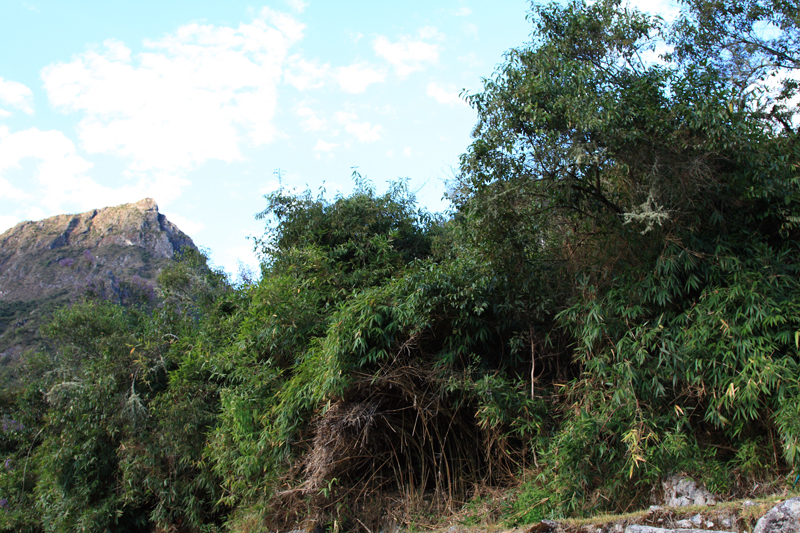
683,491
783,518
635,528
545,526
726,522
684,524
697,520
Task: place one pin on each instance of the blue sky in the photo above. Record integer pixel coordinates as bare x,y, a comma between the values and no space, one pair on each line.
199,103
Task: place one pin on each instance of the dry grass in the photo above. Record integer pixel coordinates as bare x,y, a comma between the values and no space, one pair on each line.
391,452
395,433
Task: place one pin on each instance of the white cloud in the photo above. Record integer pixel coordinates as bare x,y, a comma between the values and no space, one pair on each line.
8,222
773,85
363,131
462,12
16,95
190,227
447,96
668,9
60,177
343,117
430,32
34,213
357,77
297,5
165,186
387,109
196,95
409,55
304,75
232,259
354,36
9,192
323,146
311,122
653,56
60,170
407,151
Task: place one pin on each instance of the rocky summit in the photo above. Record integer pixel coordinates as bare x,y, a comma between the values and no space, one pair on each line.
48,263
40,258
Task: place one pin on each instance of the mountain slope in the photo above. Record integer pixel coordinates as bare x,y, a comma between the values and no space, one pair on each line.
48,263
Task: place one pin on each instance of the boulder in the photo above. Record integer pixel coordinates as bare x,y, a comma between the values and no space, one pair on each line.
636,528
783,518
545,526
683,491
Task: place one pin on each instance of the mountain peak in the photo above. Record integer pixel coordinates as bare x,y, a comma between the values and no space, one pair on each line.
146,204
122,241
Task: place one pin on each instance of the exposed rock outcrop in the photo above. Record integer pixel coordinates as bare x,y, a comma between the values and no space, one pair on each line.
783,518
36,257
48,263
635,528
683,491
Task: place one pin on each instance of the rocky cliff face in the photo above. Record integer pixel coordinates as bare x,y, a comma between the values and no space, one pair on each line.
49,263
41,258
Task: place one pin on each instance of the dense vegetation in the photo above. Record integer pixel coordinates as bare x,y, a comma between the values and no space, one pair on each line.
614,298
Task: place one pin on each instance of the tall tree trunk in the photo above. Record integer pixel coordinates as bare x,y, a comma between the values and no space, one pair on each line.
533,363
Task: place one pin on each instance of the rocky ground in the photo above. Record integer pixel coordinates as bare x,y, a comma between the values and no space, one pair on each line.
774,514
684,507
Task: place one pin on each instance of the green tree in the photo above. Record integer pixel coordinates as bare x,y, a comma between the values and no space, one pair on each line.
668,195
108,430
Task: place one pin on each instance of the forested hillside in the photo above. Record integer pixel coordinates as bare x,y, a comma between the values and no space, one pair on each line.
613,299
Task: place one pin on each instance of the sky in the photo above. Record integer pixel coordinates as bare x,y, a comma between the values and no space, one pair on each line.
207,106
